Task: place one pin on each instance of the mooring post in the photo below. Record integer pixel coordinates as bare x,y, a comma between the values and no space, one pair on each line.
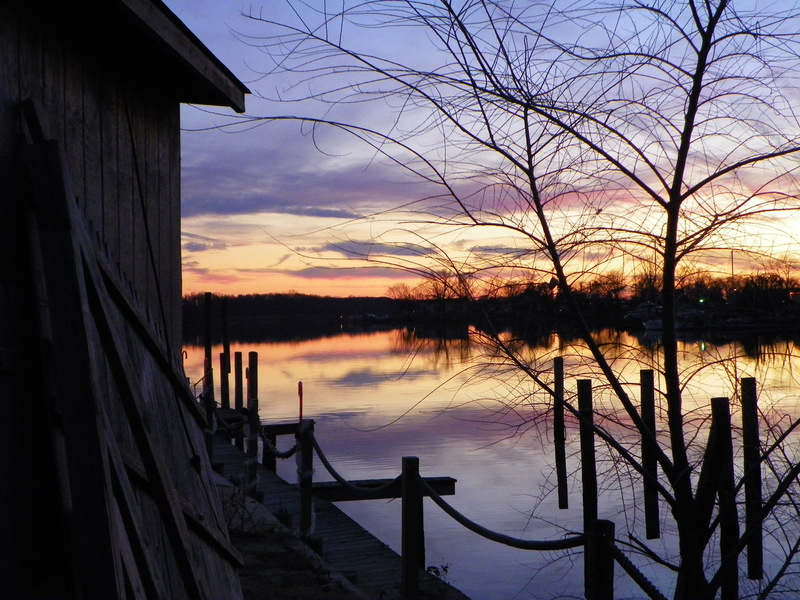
599,561
728,516
305,441
649,462
208,380
208,404
751,444
253,424
224,386
588,467
238,397
412,536
559,432
209,372
225,366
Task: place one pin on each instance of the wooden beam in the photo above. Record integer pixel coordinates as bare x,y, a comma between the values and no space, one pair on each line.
222,86
280,428
333,491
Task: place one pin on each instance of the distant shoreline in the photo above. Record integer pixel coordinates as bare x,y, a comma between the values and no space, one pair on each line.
286,317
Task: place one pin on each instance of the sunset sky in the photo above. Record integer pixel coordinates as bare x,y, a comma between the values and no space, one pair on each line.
283,207
258,203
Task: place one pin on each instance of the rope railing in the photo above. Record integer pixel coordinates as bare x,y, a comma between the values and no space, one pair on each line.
598,538
270,448
361,491
638,577
501,538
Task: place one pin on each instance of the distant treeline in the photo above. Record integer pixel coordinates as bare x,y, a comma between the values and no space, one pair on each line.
255,317
531,311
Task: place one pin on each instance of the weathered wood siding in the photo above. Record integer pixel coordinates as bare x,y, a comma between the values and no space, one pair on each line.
105,490
121,135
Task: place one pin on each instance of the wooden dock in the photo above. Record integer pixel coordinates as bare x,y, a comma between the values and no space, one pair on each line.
347,547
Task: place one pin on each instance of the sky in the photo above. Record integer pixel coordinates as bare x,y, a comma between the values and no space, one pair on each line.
287,207
264,211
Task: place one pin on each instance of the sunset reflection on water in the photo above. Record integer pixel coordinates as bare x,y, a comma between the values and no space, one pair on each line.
379,396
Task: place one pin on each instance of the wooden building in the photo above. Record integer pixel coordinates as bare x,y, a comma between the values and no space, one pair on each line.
105,488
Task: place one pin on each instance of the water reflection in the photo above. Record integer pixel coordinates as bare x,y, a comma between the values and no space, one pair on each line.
470,413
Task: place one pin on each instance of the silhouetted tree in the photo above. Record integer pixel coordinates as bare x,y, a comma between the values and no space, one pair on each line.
592,135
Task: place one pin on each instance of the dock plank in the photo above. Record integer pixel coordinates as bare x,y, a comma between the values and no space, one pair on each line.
346,546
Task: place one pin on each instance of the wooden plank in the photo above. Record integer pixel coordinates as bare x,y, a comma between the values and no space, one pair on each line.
163,489
139,323
347,546
141,263
126,187
280,428
29,57
150,577
220,86
195,571
333,491
109,140
175,243
77,400
73,126
151,209
93,157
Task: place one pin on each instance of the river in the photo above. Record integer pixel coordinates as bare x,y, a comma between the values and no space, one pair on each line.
378,396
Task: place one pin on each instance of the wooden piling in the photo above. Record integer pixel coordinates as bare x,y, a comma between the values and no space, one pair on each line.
238,397
224,389
726,491
209,407
649,462
598,566
751,443
209,373
225,359
253,422
412,540
559,432
305,440
588,467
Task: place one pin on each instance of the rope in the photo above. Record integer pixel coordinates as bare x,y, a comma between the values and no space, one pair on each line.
362,491
500,538
635,574
270,447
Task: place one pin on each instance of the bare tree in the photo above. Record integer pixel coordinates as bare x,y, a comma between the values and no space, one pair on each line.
595,138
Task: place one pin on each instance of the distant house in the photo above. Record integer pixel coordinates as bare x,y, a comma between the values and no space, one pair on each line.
104,485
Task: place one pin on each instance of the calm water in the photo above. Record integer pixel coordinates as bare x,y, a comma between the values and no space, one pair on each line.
377,397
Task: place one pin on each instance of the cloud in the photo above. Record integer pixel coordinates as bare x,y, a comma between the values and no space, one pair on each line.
275,169
322,273
364,249
201,243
